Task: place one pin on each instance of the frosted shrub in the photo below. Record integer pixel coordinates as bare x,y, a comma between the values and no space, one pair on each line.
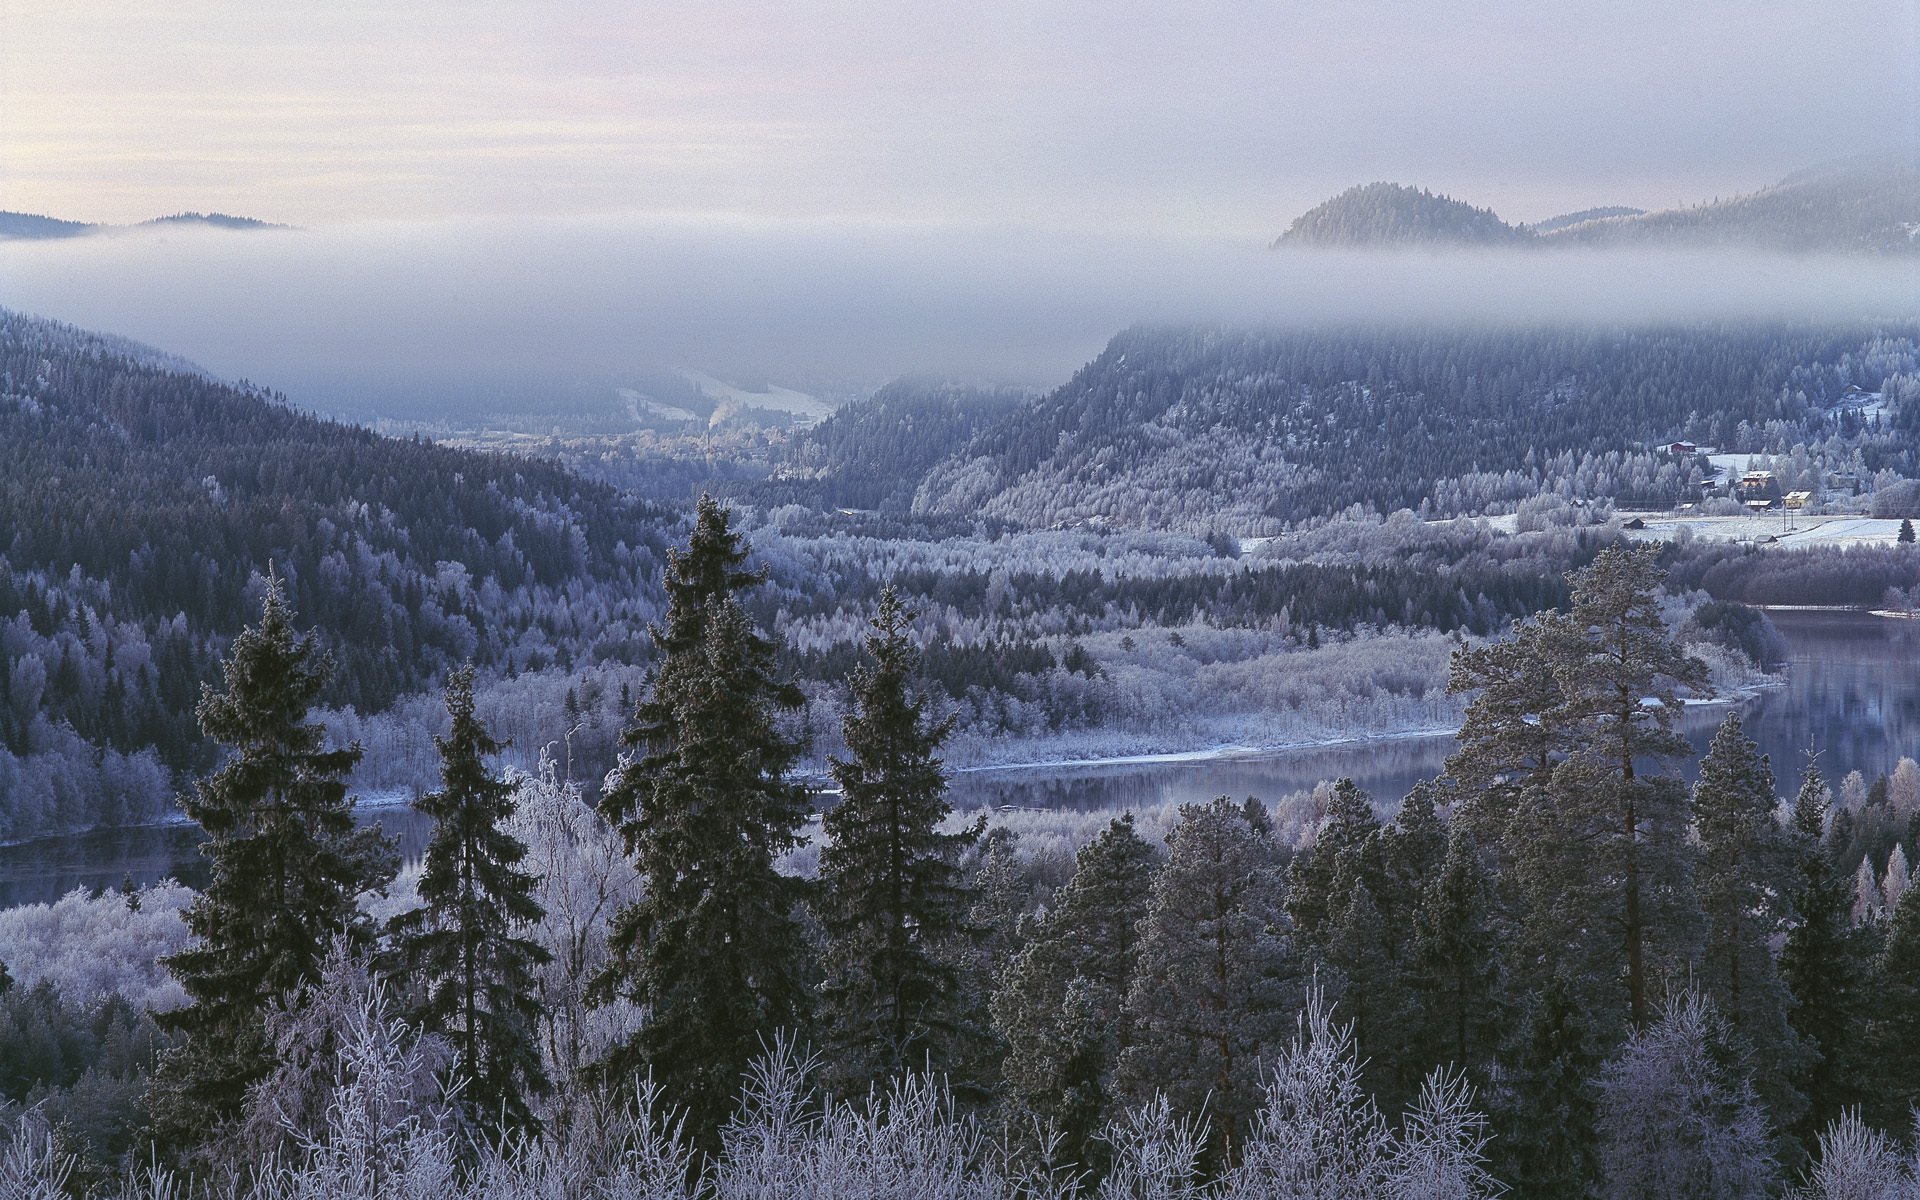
1440,1153
1156,1155
1318,1135
31,1166
634,1152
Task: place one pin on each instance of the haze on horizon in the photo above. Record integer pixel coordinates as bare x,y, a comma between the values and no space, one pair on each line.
1215,118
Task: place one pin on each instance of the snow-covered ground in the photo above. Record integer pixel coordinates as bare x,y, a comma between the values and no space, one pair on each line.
774,399
1788,529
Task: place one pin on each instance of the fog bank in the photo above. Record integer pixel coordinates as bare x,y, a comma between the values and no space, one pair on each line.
333,316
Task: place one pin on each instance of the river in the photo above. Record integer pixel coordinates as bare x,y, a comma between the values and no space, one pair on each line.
1853,691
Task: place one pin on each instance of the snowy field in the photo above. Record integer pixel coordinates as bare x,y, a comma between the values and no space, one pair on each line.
1784,528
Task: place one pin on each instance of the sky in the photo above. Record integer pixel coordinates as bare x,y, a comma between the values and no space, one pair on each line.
1206,118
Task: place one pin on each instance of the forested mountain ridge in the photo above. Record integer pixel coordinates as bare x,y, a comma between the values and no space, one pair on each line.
1241,430
1856,206
140,505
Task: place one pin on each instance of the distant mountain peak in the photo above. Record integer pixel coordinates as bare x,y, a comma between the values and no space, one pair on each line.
1396,214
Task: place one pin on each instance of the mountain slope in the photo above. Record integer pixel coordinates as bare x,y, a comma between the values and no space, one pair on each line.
872,453
1204,429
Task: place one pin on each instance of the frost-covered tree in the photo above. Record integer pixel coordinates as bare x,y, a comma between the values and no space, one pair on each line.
1060,1005
1678,1118
1744,875
892,898
1858,1162
714,949
286,864
1212,988
1897,879
467,962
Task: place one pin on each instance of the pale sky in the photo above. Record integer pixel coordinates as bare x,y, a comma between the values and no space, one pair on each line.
1211,117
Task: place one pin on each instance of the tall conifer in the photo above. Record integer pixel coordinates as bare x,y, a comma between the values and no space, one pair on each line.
892,898
1824,963
470,972
1061,1005
1743,876
714,950
286,863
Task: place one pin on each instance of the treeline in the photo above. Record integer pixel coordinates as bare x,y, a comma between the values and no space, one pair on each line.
1174,428
1556,970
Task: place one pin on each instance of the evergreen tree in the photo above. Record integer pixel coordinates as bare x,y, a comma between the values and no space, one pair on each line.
285,863
1344,842
892,899
1621,655
1211,994
1061,1003
1546,1108
1513,733
1893,1024
1003,895
714,950
1824,964
1744,877
1457,960
471,975
1906,531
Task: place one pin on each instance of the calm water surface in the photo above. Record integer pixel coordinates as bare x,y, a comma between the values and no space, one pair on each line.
1853,692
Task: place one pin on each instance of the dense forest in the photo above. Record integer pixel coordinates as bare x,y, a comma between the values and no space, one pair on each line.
1250,432
1555,971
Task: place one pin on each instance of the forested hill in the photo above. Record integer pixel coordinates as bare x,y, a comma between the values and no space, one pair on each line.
140,503
872,453
1394,214
1215,429
1857,206
31,226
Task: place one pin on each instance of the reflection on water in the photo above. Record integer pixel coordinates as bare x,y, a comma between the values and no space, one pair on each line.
1851,693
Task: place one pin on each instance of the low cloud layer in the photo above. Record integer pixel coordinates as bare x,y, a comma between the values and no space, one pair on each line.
337,318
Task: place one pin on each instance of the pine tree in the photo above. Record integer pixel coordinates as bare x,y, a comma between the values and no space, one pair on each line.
1061,1003
1211,995
285,861
1823,963
471,974
1743,876
714,950
892,899
1621,655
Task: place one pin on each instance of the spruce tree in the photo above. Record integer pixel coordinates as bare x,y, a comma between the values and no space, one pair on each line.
892,899
1212,994
1893,1019
1345,842
1458,964
1546,1107
714,950
471,974
1824,964
1744,877
285,864
1061,1004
